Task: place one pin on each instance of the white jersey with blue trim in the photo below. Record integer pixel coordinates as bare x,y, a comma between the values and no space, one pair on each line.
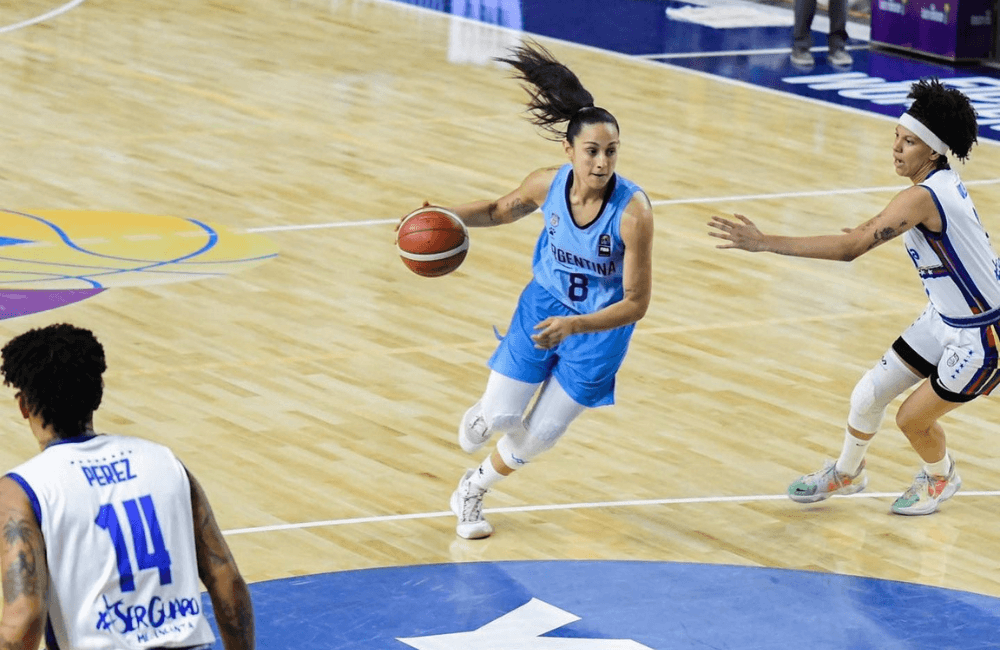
582,265
958,266
117,520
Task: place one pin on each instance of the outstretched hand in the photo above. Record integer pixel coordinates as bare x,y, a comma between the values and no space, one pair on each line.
742,234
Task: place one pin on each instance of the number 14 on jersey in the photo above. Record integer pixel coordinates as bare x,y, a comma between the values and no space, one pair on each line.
156,557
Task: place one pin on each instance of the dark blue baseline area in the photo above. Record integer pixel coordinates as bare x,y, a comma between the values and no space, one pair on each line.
635,27
877,81
628,605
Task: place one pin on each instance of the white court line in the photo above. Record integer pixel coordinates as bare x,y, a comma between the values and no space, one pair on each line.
51,14
569,506
314,226
705,199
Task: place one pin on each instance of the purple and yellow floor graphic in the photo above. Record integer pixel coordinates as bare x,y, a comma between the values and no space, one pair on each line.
51,258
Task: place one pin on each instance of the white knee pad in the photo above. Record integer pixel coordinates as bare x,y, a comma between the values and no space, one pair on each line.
547,422
503,423
516,448
873,393
504,403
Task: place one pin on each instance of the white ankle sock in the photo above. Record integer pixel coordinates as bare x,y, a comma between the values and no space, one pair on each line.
940,468
852,453
486,476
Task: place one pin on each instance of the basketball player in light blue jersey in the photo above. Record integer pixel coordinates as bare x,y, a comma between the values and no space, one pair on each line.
592,282
951,349
104,537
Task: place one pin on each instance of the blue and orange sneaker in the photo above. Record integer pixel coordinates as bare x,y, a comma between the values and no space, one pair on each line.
827,482
927,492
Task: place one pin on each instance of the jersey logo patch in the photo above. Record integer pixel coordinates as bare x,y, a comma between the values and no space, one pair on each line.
553,222
604,246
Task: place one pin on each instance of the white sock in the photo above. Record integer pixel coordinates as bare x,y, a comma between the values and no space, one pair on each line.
486,476
852,453
940,468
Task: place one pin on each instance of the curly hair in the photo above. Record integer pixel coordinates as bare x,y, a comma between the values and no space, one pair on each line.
557,95
57,370
948,113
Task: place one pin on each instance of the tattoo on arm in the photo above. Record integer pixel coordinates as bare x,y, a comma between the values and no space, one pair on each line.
517,209
235,619
16,531
22,577
494,209
217,570
211,550
885,234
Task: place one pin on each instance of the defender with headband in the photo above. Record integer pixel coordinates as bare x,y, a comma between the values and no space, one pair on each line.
922,132
949,352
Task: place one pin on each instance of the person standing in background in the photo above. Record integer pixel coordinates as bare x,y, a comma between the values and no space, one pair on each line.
805,11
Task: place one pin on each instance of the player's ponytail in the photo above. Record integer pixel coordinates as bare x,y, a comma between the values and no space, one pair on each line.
557,96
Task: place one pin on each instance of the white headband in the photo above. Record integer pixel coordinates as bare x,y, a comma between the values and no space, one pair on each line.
922,132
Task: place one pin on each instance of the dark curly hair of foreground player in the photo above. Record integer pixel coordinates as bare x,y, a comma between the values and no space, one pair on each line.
57,371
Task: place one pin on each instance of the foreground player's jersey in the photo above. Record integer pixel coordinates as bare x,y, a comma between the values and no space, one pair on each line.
116,516
582,266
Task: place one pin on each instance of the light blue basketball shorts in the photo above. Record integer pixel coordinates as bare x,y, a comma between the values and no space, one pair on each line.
585,365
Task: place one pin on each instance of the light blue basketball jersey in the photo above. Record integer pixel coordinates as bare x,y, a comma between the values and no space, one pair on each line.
582,266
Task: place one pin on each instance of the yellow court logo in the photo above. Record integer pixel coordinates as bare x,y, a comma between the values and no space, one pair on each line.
53,257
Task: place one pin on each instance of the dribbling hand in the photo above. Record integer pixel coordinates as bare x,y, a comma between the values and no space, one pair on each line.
402,218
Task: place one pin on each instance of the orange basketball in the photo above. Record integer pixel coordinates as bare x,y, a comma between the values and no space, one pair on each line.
432,241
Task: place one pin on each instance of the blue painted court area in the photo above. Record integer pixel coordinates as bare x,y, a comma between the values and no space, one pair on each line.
739,41
599,605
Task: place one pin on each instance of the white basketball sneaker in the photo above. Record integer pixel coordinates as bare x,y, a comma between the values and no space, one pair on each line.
467,504
473,432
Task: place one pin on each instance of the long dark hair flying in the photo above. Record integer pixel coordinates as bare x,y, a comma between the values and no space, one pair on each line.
557,96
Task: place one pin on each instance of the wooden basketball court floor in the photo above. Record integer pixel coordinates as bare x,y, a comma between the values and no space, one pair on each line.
317,396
